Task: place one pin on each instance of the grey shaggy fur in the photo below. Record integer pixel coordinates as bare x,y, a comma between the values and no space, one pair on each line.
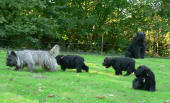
33,58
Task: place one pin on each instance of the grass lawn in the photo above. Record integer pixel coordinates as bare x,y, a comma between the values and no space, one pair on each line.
97,86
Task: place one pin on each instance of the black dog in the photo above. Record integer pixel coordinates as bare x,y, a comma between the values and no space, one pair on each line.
137,48
71,61
120,64
145,79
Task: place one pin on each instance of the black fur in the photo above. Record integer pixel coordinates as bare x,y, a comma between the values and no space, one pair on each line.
120,64
71,62
137,48
11,59
145,79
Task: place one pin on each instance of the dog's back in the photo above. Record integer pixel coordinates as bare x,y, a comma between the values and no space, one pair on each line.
123,60
125,63
69,61
32,56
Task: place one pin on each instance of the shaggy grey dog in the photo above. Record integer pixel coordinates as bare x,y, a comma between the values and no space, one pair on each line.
33,58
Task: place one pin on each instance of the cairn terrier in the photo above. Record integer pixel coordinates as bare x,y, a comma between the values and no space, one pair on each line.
33,58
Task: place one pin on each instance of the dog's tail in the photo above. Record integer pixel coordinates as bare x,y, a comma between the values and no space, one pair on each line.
55,50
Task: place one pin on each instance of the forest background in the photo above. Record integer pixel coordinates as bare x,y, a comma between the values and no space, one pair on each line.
85,25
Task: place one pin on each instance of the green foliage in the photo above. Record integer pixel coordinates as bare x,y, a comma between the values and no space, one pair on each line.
84,21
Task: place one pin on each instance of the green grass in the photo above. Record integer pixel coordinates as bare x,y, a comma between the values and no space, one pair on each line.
97,86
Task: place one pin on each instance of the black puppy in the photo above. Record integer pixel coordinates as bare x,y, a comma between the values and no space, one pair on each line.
145,79
71,61
120,64
137,48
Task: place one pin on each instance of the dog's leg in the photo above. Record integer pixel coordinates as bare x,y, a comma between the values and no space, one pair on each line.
152,88
85,68
150,85
138,83
78,69
53,67
142,51
137,52
45,67
127,73
117,70
63,68
31,67
17,68
130,68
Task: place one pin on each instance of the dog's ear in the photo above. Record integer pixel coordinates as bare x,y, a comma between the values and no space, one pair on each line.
13,53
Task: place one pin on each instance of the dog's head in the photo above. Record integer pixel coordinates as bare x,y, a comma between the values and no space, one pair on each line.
107,62
141,36
59,59
142,71
11,59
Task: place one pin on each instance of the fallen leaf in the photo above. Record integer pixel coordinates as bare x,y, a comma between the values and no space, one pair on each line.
33,93
40,89
101,97
69,98
124,95
50,95
11,79
167,101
